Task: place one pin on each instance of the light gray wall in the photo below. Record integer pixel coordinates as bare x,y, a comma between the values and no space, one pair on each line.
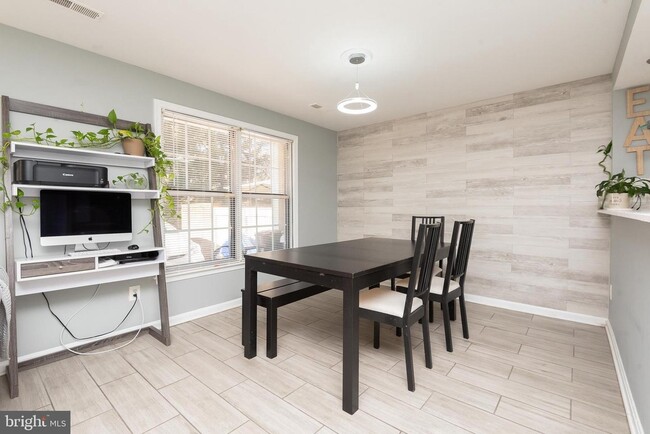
44,71
628,310
630,256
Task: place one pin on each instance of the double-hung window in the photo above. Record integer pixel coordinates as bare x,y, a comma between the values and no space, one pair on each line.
231,187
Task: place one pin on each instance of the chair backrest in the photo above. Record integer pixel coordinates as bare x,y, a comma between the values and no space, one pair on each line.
424,255
417,220
458,258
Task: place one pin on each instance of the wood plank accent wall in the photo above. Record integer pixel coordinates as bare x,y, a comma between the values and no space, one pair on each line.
523,165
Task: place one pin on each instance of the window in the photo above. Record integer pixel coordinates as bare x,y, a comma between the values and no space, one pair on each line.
231,187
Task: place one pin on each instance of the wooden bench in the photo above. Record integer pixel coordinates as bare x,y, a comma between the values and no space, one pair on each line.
273,295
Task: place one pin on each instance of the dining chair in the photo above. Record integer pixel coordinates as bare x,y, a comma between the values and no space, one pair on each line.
403,309
451,286
402,280
416,220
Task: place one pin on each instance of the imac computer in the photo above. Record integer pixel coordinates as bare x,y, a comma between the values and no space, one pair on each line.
78,217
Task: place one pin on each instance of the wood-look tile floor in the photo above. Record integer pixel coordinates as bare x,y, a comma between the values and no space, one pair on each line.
517,373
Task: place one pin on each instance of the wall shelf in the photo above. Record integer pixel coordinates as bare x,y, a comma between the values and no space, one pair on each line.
641,215
33,190
76,155
94,276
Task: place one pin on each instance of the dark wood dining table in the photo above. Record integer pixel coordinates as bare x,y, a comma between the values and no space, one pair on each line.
348,266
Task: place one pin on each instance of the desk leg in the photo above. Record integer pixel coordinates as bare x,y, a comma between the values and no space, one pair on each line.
350,350
249,313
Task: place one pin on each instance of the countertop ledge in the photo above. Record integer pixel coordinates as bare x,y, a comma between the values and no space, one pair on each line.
641,215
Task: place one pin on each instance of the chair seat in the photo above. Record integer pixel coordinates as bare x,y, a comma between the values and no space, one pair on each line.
438,282
386,301
405,281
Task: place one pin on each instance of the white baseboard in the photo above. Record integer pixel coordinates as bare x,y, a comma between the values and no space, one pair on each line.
537,310
204,311
176,319
628,400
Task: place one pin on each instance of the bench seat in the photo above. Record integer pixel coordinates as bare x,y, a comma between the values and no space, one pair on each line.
272,295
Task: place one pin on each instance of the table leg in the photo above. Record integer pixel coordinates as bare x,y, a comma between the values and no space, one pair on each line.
350,350
249,313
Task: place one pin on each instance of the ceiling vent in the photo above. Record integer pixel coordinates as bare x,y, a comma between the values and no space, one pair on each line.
79,8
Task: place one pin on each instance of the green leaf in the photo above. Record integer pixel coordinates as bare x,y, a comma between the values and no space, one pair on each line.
112,117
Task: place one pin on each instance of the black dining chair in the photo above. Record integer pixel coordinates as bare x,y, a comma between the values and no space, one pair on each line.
451,286
416,221
409,305
402,280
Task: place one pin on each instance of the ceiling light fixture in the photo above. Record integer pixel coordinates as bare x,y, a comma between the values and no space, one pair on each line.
357,102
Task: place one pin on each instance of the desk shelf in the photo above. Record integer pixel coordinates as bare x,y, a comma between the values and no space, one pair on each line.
55,273
77,155
33,190
94,276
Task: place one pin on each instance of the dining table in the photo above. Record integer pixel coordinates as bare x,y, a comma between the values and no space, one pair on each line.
348,266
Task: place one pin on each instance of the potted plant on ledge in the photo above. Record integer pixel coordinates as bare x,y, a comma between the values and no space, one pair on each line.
617,191
146,143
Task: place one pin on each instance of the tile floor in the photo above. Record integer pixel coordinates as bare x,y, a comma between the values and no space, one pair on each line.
517,373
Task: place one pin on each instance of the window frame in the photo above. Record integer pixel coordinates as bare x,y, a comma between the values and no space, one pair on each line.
210,267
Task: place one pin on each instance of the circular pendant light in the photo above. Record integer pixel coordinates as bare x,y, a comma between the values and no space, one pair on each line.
357,103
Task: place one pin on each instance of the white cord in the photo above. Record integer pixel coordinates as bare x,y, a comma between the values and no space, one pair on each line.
105,351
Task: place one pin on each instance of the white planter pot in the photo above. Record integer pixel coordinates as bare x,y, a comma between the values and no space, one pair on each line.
617,201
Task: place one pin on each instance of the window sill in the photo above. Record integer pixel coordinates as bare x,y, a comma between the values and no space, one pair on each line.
180,275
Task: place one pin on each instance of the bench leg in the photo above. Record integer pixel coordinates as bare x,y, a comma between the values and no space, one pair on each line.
271,331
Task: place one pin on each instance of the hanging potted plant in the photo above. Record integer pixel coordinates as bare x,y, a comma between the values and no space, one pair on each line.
619,191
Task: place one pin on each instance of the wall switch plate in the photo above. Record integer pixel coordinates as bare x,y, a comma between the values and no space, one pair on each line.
611,292
133,291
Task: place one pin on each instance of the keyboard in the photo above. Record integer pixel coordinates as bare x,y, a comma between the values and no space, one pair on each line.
103,252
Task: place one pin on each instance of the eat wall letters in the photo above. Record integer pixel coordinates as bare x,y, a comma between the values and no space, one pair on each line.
637,133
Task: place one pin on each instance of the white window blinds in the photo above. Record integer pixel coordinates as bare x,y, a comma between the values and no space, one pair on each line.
232,189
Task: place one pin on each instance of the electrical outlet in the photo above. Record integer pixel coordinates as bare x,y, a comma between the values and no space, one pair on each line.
611,291
133,292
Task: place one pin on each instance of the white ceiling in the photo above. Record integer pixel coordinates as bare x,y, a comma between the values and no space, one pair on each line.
284,55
